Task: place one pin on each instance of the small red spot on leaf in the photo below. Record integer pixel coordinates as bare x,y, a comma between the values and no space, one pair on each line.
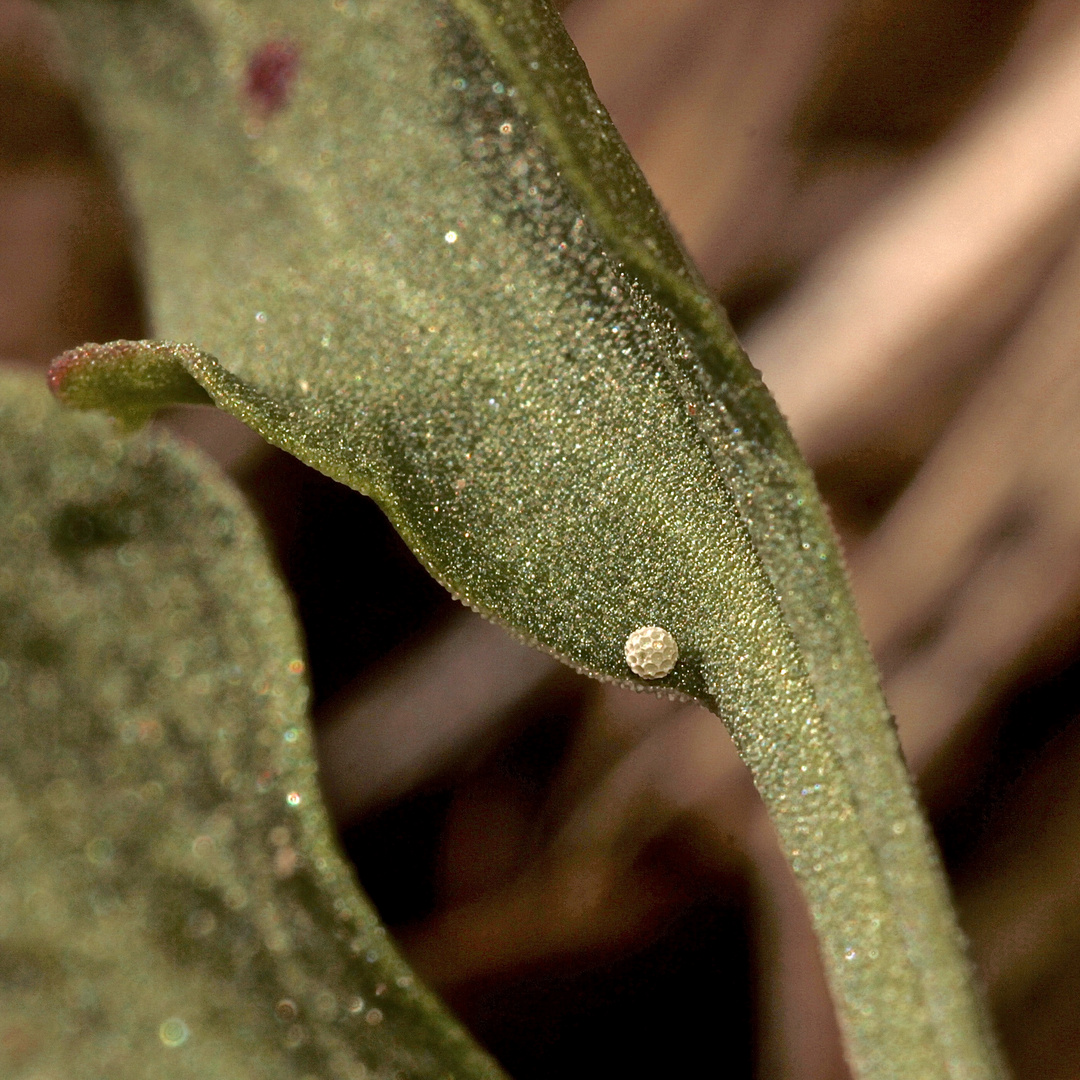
59,370
271,72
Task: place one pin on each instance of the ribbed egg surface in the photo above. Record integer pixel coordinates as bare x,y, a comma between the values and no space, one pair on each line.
651,652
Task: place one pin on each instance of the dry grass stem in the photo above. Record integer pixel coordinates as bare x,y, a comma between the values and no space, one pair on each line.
398,730
932,274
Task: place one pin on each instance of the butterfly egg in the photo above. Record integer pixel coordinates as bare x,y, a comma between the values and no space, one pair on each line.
651,652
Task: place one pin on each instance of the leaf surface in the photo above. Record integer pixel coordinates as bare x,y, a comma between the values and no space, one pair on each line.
172,901
432,270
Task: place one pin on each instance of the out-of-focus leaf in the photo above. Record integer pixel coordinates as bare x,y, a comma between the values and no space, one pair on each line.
172,903
431,269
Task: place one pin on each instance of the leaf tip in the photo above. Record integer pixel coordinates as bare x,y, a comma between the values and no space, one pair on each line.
130,380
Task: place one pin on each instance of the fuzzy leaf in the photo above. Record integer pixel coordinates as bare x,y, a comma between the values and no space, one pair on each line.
131,381
172,902
427,265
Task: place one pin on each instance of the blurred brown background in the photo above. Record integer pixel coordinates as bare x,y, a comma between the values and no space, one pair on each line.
886,195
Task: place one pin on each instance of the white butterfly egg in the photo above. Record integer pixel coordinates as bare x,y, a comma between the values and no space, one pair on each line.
651,652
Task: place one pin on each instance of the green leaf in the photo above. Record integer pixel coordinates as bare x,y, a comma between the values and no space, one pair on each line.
131,380
172,901
428,266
